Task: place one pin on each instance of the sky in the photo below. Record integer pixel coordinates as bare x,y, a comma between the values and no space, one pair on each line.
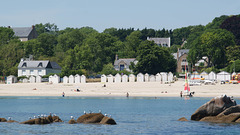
102,14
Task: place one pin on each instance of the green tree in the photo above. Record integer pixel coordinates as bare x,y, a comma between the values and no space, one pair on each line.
153,59
47,28
216,23
213,44
233,53
47,44
6,34
132,43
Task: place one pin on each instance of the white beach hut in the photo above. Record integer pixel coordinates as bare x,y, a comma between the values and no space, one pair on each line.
170,77
140,77
55,79
117,78
103,78
131,78
212,76
124,78
65,79
223,76
204,75
71,79
50,79
110,78
164,76
83,79
158,77
32,79
152,78
38,79
77,78
25,80
11,79
146,77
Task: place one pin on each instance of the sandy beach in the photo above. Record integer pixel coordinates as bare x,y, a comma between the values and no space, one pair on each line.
135,89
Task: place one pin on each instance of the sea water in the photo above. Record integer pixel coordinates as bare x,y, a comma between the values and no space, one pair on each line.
138,115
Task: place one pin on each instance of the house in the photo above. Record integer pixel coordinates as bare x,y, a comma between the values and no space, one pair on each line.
34,68
25,33
181,57
164,42
123,64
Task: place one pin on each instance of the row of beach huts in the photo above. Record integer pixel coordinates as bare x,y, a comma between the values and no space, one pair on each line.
162,77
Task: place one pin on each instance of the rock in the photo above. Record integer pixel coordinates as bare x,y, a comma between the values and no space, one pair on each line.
31,121
72,121
213,107
90,118
232,109
56,119
3,120
233,117
182,119
11,121
108,121
37,121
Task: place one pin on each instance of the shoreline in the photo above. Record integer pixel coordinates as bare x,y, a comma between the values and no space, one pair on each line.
135,89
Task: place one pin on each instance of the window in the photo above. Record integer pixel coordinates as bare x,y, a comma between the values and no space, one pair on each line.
40,64
39,72
23,72
24,64
121,67
184,60
31,72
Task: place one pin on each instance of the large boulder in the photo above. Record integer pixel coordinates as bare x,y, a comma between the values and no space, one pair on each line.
72,121
3,120
56,119
214,107
90,118
108,121
182,119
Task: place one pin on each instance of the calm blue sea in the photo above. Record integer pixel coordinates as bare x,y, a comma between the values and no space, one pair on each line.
133,116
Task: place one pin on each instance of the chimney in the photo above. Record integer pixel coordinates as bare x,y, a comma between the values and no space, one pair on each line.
116,57
33,26
9,26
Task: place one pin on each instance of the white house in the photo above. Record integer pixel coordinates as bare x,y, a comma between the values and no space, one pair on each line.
223,76
11,79
164,42
123,64
35,68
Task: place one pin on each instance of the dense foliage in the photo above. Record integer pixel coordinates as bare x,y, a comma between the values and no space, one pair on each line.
86,51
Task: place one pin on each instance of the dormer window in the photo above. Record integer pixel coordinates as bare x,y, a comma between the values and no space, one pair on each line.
24,64
40,64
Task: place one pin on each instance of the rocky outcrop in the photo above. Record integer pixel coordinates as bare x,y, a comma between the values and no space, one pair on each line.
214,107
97,118
43,120
72,121
3,120
182,119
90,118
221,109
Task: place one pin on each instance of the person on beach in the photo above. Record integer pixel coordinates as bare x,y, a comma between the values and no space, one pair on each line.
127,95
181,94
63,94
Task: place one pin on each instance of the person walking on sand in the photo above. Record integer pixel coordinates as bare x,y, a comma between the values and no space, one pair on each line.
181,94
127,95
63,94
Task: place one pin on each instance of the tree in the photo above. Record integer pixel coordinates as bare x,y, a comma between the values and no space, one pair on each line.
46,28
232,24
47,44
153,59
132,43
6,34
213,44
216,23
233,53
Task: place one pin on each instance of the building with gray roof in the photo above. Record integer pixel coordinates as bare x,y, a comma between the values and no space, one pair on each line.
25,33
123,64
39,67
164,42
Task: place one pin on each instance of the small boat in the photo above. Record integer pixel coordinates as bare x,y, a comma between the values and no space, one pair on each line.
186,86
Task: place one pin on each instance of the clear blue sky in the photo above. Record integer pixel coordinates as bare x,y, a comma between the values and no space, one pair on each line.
102,14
